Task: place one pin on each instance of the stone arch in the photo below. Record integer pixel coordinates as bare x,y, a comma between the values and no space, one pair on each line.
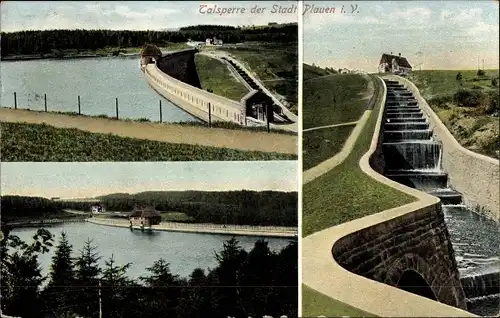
413,282
438,278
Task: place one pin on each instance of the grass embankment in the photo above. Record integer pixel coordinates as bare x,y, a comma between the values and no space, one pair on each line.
319,145
316,304
215,76
312,71
41,142
272,61
467,107
346,193
319,110
343,194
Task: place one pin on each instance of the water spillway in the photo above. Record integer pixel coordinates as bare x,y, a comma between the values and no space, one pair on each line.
413,157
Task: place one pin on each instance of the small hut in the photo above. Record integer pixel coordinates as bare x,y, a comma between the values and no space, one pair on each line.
149,54
144,217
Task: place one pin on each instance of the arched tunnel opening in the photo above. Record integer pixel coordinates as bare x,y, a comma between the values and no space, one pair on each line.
413,282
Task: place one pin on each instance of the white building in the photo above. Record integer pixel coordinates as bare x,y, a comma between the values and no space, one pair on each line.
390,63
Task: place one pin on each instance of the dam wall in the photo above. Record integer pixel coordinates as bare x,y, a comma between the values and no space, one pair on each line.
172,77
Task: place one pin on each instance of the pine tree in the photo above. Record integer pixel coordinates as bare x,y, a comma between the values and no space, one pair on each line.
228,273
87,273
22,275
60,292
164,289
114,288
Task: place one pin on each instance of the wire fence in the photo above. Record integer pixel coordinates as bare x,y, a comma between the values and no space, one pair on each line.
43,102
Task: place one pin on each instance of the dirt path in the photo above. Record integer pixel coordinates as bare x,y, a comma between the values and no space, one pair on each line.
214,137
331,126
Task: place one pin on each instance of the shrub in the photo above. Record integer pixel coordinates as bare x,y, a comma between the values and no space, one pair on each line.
480,73
469,98
441,101
494,82
477,87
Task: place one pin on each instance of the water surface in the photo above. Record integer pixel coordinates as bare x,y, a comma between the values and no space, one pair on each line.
98,81
184,251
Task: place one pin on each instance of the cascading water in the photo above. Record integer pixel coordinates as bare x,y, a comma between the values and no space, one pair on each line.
413,157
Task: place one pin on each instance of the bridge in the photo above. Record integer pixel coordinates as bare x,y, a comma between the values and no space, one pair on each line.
395,263
173,75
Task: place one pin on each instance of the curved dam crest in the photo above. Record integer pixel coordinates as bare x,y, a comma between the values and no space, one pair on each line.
174,76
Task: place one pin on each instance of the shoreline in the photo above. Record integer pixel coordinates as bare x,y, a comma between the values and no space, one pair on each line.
15,58
203,228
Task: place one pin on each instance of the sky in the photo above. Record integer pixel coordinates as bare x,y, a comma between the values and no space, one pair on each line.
431,34
90,179
133,15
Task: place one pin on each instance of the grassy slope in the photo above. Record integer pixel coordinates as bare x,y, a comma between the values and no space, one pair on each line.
346,193
319,145
473,130
32,142
216,76
319,94
310,72
272,61
315,304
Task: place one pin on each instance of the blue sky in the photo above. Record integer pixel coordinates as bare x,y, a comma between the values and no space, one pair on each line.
89,179
131,15
436,34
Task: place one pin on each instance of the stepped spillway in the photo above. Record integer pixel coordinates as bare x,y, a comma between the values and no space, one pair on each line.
413,157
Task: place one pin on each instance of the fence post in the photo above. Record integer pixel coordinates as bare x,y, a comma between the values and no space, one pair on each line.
45,100
15,100
161,115
116,107
79,108
209,115
267,117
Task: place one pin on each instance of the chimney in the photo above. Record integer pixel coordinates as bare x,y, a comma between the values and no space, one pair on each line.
399,54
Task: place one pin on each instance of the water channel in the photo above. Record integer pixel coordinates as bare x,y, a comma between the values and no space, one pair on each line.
98,81
414,158
184,251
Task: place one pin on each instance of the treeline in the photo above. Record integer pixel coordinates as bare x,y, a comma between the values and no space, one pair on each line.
12,207
208,27
231,207
243,284
50,41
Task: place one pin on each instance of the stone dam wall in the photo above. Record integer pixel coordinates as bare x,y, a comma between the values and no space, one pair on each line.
181,66
174,77
474,175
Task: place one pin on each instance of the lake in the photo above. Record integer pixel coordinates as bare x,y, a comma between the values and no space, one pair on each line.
184,251
98,81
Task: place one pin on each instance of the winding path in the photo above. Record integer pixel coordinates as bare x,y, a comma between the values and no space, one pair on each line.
172,133
329,164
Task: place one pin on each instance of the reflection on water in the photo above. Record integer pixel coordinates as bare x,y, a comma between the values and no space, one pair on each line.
98,81
184,251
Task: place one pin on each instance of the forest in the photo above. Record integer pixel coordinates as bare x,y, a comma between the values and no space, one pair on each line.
52,41
243,284
243,207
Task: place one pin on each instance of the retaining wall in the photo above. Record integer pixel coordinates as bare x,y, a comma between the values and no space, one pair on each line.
474,175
